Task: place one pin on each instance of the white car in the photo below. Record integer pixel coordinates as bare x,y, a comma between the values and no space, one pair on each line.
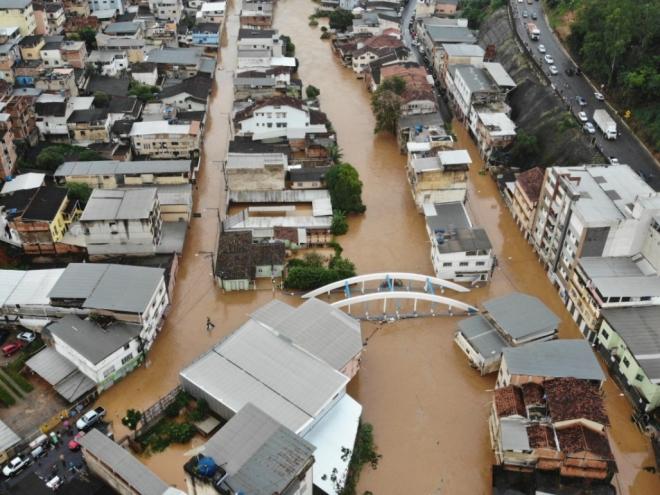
542,49
583,116
599,96
548,58
589,128
26,337
14,466
553,70
614,160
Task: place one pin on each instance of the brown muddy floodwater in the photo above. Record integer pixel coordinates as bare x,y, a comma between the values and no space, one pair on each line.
428,407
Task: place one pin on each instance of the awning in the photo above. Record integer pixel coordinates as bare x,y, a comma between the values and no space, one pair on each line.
51,365
336,430
74,386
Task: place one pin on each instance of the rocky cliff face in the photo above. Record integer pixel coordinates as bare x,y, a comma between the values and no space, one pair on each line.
535,107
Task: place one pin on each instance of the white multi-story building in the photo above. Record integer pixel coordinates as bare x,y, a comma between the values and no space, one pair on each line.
589,211
459,251
212,12
166,10
117,6
127,219
162,139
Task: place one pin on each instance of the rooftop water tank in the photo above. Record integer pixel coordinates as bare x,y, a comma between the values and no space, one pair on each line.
206,466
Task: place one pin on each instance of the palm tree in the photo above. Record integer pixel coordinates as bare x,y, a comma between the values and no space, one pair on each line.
335,153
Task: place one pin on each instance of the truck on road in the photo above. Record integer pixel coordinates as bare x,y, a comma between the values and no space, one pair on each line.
533,32
605,123
90,418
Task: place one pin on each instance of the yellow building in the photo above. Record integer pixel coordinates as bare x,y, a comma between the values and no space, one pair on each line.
31,46
18,13
525,198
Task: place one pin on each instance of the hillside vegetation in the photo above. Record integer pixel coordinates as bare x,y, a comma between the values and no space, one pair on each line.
617,43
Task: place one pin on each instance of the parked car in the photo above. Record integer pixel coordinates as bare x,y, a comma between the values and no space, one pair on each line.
26,337
581,101
12,348
90,418
599,96
583,116
548,58
542,49
534,16
38,452
525,14
15,466
54,483
553,70
74,443
589,128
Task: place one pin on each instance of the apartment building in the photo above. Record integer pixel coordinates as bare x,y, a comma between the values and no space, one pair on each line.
162,139
437,177
525,198
459,251
111,174
18,13
590,211
166,10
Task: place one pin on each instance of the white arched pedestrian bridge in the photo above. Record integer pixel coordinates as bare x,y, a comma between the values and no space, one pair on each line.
399,297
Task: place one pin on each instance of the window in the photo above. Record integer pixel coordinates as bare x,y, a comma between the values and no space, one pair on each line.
626,363
605,334
108,372
481,263
463,263
639,378
446,264
127,358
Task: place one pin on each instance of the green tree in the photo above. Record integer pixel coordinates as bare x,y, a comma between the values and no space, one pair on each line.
78,191
312,92
143,92
88,35
386,104
340,19
53,156
335,153
525,150
345,188
289,47
101,99
131,419
339,223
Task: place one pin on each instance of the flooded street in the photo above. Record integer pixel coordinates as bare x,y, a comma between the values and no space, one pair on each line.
428,407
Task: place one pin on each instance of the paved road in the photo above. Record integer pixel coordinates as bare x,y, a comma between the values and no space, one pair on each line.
408,12
626,148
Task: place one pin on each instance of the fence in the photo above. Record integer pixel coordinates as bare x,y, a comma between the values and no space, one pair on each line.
155,412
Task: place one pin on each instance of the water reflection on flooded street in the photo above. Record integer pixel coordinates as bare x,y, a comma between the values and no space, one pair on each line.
428,408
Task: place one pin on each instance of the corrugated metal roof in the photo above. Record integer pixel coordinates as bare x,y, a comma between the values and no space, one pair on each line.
8,438
125,288
131,471
260,455
119,204
620,277
113,167
255,365
333,433
34,287
51,365
74,386
22,182
482,336
90,340
321,207
78,280
554,359
9,280
287,196
272,313
513,434
520,314
322,330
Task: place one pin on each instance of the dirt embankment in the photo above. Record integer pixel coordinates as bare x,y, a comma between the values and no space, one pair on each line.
535,107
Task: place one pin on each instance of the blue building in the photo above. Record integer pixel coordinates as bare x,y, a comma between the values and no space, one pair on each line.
206,34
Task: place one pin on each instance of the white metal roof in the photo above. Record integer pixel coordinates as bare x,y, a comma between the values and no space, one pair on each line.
499,75
321,207
8,438
24,181
336,431
120,204
9,280
454,157
158,127
256,365
34,287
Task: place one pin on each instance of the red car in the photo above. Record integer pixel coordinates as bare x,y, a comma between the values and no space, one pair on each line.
74,444
12,348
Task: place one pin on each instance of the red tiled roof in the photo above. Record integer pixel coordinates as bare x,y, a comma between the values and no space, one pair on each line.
509,402
531,182
541,437
532,394
578,438
570,398
281,100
